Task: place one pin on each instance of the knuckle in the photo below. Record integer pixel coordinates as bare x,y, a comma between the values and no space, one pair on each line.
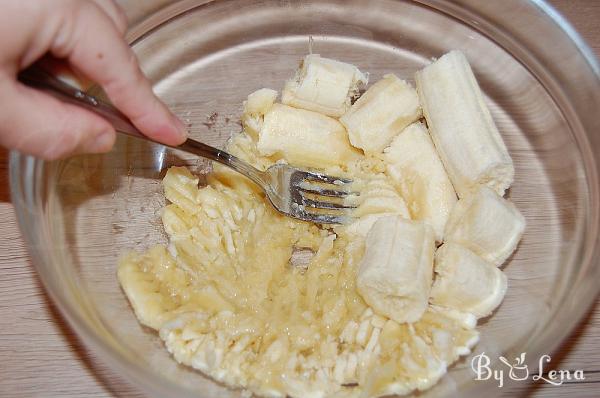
127,81
85,7
115,12
72,15
65,39
122,22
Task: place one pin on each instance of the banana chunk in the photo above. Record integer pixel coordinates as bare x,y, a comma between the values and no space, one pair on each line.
380,113
255,107
466,282
303,138
395,273
323,85
260,101
414,165
487,224
461,126
378,198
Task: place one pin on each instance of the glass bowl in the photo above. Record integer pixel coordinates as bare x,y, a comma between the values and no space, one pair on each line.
541,83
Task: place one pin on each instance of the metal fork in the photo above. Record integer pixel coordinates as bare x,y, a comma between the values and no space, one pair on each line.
297,193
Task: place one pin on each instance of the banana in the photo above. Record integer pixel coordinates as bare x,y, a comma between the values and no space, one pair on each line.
260,101
465,319
461,126
323,85
360,227
181,187
428,347
255,107
378,198
487,224
148,281
364,309
466,282
395,273
416,356
380,113
450,338
413,163
303,138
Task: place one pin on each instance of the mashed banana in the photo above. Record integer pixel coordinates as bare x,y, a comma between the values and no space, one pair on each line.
229,297
227,300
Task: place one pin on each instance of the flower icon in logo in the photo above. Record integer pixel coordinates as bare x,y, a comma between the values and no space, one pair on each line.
518,371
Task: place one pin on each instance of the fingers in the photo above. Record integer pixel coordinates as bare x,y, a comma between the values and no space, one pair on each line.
88,34
40,125
115,13
92,45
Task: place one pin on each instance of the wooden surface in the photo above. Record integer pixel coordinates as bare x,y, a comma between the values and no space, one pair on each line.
41,357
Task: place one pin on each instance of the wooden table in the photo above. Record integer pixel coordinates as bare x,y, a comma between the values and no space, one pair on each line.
41,357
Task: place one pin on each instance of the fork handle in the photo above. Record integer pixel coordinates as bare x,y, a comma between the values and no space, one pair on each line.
40,79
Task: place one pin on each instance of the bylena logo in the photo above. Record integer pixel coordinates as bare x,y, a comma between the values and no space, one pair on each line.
518,370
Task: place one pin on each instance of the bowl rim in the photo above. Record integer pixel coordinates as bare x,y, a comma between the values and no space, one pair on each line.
163,386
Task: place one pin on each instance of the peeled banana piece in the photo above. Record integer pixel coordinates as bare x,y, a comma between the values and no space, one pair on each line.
461,126
260,101
395,273
323,85
466,282
414,165
381,113
378,198
487,224
303,138
255,107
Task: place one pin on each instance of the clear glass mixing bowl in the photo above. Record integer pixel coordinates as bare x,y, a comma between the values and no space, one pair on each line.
542,86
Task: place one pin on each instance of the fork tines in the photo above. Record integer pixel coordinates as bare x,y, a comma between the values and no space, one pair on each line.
322,198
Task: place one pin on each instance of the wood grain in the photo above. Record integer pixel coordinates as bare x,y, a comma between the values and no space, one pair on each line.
41,357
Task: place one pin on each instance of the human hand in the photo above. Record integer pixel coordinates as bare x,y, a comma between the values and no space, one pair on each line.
88,36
